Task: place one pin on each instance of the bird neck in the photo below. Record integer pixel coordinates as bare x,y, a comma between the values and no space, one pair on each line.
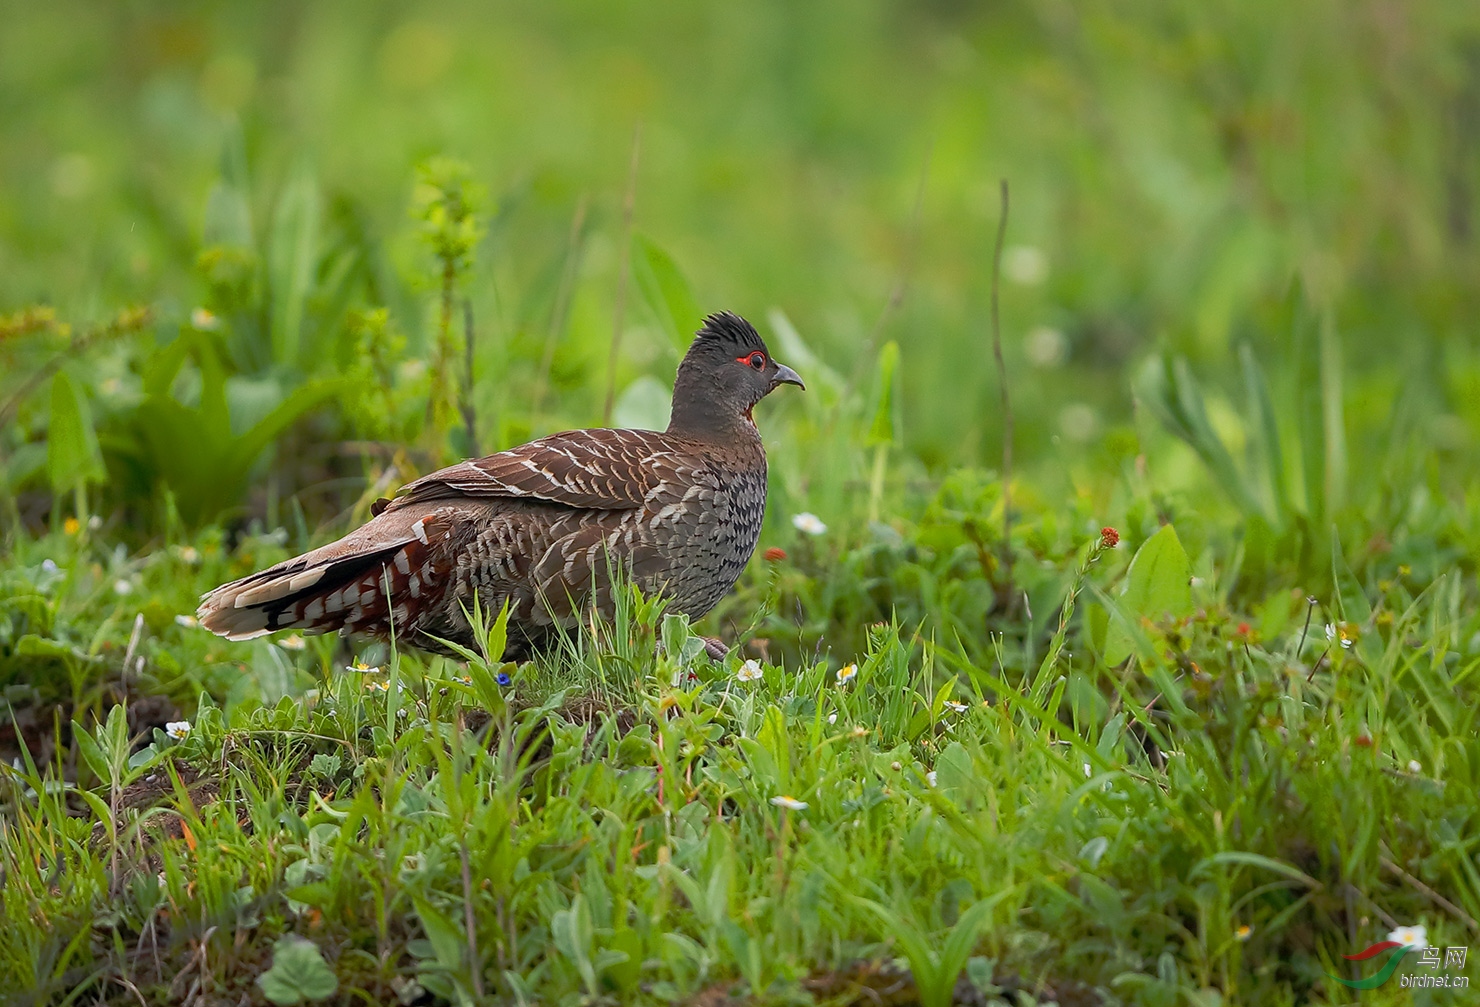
704,419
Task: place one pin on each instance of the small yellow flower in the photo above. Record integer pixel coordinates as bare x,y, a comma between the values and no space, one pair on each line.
1243,933
465,679
71,526
360,667
789,803
375,685
956,707
204,319
292,642
846,673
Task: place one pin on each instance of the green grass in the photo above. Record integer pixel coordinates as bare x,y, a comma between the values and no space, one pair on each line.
605,828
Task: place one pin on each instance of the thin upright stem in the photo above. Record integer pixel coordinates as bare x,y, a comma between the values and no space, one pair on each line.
1007,423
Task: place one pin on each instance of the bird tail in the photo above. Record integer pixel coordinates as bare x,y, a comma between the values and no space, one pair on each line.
354,584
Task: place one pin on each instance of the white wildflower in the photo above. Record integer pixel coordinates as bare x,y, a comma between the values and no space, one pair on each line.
846,673
832,718
177,729
121,586
808,523
360,667
1414,937
1414,766
292,642
188,621
204,319
789,803
930,777
956,707
750,671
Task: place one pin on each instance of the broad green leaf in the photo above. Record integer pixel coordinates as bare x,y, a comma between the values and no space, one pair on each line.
72,454
643,405
797,354
1265,441
774,739
1355,607
228,219
571,931
298,973
1240,858
447,939
960,943
664,290
92,752
954,774
1171,393
1158,584
883,429
292,254
621,960
1333,423
1304,337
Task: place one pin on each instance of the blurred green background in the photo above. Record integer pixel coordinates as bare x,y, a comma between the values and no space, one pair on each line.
1174,167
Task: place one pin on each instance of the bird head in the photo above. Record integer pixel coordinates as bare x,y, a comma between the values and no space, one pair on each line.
726,371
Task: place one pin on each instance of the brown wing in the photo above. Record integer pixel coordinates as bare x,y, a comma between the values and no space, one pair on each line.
590,469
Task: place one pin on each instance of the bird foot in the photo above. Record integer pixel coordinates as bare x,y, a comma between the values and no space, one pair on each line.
715,647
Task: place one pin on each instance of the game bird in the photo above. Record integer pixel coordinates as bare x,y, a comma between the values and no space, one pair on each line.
547,526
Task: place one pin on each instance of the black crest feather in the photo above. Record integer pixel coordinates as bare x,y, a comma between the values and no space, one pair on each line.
725,328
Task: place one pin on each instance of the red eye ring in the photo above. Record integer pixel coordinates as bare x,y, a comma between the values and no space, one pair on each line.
757,360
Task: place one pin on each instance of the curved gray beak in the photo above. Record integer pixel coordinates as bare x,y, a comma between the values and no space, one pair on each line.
786,376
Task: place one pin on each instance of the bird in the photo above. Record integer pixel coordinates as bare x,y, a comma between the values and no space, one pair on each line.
549,528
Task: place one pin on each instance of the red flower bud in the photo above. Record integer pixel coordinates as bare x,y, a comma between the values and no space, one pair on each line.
775,554
1109,538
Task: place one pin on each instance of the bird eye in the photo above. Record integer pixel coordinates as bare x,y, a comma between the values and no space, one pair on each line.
757,360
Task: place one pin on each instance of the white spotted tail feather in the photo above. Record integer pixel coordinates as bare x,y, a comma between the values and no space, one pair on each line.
350,585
